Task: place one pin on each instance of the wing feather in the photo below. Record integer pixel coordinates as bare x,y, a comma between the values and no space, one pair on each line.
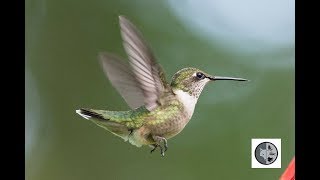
122,79
147,71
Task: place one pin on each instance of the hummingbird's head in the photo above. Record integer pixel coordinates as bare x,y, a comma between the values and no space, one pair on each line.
193,80
188,83
190,80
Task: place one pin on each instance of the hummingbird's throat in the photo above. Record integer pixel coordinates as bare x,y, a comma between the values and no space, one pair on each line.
189,101
195,89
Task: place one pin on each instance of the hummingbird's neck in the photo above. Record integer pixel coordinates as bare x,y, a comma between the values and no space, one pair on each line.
189,101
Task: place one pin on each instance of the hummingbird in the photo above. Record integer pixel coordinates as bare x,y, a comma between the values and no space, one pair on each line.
159,110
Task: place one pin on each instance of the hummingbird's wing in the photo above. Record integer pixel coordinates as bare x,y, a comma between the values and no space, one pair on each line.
122,78
147,72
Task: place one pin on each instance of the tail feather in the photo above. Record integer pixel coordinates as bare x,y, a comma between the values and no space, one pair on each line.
87,114
101,120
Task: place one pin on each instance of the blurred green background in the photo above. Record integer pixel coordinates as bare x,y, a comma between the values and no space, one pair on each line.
251,40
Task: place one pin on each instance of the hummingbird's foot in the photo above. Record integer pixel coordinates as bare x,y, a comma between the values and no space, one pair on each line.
154,147
165,143
161,151
160,139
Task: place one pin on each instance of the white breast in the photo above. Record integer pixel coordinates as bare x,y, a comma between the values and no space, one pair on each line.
187,100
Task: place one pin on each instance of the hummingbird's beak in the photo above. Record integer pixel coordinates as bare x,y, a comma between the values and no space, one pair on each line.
215,78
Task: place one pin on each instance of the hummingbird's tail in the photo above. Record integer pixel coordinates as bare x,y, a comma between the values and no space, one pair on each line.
108,120
88,114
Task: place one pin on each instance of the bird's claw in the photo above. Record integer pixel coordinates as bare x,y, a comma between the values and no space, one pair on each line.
163,148
154,148
165,144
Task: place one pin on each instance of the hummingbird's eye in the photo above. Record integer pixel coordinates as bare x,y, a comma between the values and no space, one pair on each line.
200,75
